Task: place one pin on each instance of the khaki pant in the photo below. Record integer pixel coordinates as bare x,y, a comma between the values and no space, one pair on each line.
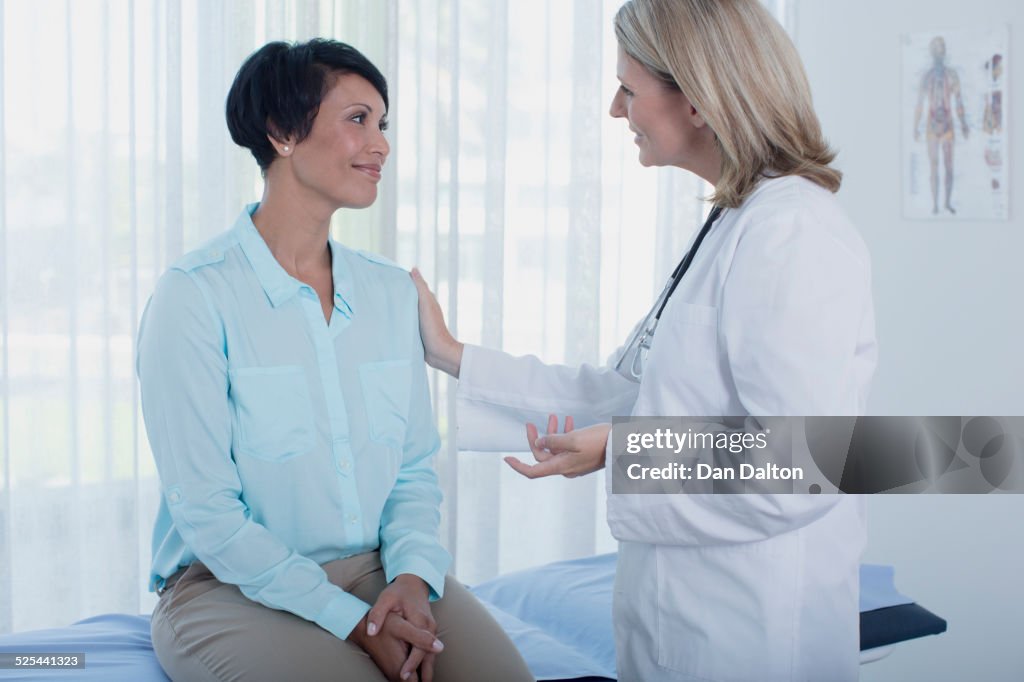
204,629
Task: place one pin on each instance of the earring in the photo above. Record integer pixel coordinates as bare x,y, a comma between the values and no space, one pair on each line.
286,148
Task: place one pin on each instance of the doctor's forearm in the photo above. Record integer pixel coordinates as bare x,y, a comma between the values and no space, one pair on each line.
448,360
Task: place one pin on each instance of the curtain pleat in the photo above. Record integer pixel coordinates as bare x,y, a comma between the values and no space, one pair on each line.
450,125
143,488
6,527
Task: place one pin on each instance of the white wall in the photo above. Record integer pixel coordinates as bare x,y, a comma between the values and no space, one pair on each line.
950,319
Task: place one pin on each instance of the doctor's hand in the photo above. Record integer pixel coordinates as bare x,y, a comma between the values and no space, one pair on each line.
571,454
443,351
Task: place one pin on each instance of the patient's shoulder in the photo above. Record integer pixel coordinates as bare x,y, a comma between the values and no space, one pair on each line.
209,253
378,259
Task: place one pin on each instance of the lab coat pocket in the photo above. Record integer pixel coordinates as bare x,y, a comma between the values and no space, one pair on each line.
687,334
729,612
386,389
692,314
273,411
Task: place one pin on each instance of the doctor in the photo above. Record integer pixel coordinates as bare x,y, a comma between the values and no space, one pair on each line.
772,316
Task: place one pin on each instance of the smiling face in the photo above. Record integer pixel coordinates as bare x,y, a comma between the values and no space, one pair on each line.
342,157
666,126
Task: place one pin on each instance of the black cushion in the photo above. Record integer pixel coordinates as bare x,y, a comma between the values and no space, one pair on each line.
897,624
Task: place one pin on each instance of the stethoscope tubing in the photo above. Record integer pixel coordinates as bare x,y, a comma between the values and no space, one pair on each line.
640,342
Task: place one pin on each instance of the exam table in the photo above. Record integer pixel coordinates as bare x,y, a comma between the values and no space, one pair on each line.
559,615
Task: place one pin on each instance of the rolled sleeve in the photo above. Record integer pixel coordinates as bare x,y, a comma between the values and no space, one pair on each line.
428,571
342,614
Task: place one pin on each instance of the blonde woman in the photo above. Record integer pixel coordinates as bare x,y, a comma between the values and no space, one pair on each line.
770,314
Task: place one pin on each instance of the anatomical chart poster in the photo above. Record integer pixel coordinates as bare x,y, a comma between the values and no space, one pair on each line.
955,113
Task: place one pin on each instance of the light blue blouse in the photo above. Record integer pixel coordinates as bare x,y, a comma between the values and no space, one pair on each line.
282,441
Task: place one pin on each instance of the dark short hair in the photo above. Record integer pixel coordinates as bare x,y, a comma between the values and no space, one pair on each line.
279,88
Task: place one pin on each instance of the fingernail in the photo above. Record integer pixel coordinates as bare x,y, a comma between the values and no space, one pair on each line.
371,628
539,443
405,676
438,646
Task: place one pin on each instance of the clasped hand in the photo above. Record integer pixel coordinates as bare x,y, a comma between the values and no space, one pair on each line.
575,452
399,631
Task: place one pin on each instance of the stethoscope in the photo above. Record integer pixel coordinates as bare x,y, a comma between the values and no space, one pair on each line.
640,343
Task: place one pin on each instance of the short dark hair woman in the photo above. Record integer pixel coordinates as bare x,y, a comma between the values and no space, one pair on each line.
286,402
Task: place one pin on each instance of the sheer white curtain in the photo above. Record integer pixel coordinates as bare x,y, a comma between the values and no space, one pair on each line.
115,160
508,185
523,203
525,207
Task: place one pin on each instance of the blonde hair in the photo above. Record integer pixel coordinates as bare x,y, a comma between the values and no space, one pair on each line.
742,73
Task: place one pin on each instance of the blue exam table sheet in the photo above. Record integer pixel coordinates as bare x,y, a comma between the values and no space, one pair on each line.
559,615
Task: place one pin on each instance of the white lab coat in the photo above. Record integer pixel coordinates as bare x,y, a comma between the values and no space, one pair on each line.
774,317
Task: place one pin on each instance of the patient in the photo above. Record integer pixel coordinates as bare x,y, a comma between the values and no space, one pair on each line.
286,403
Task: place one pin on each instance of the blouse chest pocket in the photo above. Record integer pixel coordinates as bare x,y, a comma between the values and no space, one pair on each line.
273,410
386,395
